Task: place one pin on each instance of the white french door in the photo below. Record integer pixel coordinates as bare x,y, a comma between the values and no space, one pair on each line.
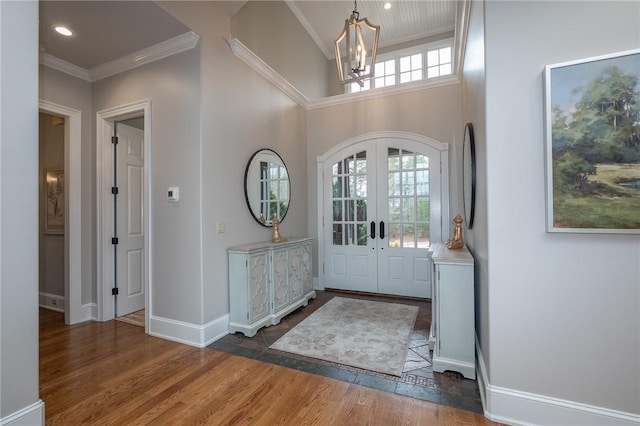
381,210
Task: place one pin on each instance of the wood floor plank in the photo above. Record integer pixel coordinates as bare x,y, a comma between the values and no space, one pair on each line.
113,374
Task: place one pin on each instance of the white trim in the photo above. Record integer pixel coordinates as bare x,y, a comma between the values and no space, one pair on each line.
187,333
515,407
53,302
104,210
258,65
73,206
384,91
28,416
243,53
61,65
461,33
164,49
440,146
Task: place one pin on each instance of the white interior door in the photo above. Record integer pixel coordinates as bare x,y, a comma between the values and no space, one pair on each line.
381,210
129,219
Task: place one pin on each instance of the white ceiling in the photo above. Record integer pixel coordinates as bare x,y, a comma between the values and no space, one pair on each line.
107,30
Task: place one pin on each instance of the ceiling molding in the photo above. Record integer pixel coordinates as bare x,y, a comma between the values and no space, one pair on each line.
382,92
63,66
162,50
248,57
463,11
309,29
258,65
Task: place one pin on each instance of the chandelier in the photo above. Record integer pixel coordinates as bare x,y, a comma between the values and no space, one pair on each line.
355,49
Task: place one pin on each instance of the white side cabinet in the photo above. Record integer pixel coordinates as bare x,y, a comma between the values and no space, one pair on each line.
452,336
268,281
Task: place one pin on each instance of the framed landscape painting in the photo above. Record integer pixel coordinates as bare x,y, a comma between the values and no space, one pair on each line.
592,120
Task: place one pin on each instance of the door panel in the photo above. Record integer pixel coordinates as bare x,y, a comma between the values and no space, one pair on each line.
129,219
381,211
350,261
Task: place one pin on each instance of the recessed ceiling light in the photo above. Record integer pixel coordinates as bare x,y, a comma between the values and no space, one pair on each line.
387,5
61,29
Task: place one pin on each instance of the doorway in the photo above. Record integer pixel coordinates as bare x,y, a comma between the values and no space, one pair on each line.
74,310
123,210
381,206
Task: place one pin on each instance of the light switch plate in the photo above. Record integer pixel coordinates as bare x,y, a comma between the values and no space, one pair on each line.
173,193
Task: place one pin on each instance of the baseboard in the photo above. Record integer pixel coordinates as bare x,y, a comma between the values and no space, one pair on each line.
28,416
187,333
52,302
515,407
316,284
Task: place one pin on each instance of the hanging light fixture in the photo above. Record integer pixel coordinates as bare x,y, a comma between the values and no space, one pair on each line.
355,49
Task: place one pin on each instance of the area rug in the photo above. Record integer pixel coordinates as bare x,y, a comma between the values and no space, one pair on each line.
361,333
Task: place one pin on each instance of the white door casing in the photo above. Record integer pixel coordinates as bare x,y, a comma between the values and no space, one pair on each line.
129,219
74,311
104,205
377,265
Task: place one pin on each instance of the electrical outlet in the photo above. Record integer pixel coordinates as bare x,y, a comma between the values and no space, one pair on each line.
221,227
54,302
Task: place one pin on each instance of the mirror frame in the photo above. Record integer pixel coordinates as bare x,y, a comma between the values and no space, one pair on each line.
246,192
469,175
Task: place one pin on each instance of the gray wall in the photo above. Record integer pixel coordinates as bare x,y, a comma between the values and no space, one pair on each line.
51,250
474,112
240,113
173,87
565,306
18,208
71,92
288,49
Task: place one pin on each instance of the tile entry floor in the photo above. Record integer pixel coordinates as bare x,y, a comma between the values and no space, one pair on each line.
418,378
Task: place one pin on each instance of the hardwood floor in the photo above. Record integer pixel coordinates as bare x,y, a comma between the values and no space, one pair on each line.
113,374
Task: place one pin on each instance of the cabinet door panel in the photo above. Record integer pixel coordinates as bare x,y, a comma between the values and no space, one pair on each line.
258,286
295,273
280,279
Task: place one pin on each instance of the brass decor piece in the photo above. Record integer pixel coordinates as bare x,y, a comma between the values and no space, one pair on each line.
276,238
456,242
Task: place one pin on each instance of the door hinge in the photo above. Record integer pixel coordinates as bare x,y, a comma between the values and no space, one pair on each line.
114,291
114,140
322,268
323,221
114,240
114,190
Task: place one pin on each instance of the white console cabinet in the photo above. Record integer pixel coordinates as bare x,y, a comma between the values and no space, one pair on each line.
268,281
452,336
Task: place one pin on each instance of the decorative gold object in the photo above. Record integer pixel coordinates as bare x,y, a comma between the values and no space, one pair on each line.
276,238
261,219
456,242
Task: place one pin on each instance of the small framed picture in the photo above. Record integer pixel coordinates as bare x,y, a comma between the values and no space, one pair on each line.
54,201
592,120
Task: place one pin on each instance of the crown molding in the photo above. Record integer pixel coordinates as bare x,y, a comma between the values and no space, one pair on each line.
63,66
248,57
382,92
243,53
463,12
162,50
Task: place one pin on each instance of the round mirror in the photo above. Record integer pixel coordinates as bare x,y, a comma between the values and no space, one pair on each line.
266,186
469,175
